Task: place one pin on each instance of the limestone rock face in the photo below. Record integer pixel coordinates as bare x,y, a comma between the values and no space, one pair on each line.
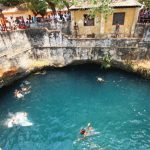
27,50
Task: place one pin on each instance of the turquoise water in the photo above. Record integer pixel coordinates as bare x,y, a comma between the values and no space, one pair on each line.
65,100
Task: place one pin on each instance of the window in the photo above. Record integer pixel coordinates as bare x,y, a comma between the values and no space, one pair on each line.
118,18
88,20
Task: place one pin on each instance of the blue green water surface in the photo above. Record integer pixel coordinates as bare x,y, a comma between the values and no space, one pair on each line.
65,100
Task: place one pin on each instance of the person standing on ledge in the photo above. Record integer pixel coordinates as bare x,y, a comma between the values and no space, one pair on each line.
2,21
117,30
76,29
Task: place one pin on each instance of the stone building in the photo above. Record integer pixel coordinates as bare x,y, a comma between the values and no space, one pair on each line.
125,13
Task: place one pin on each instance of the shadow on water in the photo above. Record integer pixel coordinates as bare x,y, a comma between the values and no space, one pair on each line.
90,67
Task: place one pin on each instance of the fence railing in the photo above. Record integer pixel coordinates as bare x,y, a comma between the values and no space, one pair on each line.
144,20
65,27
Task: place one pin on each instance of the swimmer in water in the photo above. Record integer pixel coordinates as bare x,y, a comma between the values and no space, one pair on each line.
18,119
100,79
40,73
18,94
83,132
14,121
86,131
25,89
26,82
15,93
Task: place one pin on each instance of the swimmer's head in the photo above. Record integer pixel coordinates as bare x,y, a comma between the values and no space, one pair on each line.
82,131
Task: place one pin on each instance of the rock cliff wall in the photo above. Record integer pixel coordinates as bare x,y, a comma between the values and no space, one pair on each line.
142,31
25,50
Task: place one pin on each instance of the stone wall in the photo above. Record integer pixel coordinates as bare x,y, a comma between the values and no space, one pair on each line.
142,31
54,43
23,51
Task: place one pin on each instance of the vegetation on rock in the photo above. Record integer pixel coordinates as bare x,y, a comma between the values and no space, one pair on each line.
106,62
128,64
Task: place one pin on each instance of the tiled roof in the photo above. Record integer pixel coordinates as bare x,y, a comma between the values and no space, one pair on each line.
10,10
125,3
14,9
115,3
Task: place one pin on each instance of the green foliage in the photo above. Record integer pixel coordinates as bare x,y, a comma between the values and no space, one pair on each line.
106,62
146,2
11,2
40,6
103,7
143,71
60,4
128,65
37,6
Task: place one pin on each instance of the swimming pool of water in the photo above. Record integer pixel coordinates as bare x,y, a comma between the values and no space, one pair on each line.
63,101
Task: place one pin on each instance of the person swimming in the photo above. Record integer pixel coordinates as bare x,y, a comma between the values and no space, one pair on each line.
83,132
86,131
18,119
100,79
18,94
26,82
40,73
25,89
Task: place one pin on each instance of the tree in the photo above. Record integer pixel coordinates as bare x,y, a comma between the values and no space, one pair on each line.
37,6
11,2
60,4
146,2
103,6
106,62
40,6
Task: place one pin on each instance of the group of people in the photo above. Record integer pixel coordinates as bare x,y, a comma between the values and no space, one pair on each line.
24,89
3,26
60,17
20,22
144,15
12,23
